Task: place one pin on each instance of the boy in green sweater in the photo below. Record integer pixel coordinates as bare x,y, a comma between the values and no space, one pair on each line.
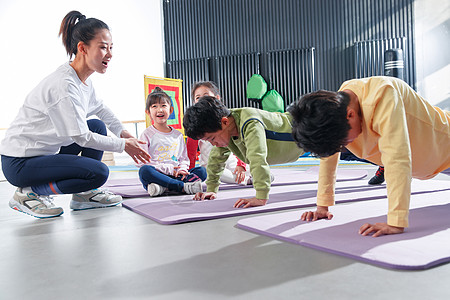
257,137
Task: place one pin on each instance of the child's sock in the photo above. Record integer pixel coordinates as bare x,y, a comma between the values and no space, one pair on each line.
46,189
27,190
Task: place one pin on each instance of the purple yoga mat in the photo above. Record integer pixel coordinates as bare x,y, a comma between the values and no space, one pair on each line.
423,245
179,209
132,187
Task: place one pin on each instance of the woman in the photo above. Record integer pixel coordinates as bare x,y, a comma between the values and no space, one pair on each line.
40,149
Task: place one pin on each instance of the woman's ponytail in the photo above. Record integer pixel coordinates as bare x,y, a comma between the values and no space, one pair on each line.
76,28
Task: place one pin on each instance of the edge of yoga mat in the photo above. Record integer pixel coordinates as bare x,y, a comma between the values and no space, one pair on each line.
344,254
395,242
116,185
305,196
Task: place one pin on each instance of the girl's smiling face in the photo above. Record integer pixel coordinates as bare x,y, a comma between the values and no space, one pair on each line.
160,111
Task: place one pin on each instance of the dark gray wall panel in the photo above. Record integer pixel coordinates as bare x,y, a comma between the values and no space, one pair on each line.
196,29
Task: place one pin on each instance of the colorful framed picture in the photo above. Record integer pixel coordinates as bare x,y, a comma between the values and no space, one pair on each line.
173,88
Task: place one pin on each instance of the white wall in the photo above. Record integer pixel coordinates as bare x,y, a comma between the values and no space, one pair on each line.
432,25
31,49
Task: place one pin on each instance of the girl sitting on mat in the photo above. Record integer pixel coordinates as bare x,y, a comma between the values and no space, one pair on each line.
168,167
236,171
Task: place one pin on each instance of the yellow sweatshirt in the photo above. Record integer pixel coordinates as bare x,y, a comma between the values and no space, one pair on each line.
400,131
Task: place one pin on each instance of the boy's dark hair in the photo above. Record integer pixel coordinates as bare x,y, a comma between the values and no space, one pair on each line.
209,84
76,28
204,117
157,96
320,123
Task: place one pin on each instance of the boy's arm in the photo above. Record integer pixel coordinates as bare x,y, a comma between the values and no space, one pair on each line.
327,180
216,164
255,139
389,122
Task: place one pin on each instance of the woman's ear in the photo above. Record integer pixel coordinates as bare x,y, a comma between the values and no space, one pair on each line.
81,47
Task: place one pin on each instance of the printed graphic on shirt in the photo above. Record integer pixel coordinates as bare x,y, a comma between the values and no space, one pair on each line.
164,153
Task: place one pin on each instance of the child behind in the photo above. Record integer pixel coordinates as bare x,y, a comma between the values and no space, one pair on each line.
235,171
168,167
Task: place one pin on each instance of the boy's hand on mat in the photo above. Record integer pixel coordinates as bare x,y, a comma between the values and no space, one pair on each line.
137,153
320,213
249,202
203,196
378,229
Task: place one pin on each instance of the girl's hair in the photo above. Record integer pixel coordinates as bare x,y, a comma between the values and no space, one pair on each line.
204,117
157,96
208,84
76,28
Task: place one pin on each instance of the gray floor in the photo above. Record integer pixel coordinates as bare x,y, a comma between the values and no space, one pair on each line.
114,253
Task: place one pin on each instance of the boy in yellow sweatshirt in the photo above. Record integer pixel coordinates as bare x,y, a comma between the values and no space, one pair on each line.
380,119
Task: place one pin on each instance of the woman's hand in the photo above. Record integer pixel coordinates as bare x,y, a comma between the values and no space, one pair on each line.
320,213
249,202
125,134
137,153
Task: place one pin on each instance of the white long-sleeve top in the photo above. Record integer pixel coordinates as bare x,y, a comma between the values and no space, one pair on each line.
168,150
55,114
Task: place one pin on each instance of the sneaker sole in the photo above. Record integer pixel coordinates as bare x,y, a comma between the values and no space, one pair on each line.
91,205
23,209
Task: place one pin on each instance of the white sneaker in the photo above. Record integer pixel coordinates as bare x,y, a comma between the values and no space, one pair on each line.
154,189
247,181
35,205
95,198
193,187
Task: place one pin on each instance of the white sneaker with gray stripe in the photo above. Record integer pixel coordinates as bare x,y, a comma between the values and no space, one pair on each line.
193,187
39,206
96,198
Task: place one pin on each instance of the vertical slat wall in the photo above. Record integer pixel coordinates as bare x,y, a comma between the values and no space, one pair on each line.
190,71
231,75
213,28
369,57
291,73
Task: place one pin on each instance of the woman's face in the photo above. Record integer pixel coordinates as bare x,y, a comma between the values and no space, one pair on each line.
202,91
99,51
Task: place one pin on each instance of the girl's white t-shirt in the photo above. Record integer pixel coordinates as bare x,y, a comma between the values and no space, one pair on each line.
55,114
168,150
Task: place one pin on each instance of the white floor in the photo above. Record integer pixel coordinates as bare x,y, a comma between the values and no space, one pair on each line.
114,253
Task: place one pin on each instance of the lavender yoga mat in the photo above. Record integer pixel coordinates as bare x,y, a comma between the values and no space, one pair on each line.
132,187
423,245
179,209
